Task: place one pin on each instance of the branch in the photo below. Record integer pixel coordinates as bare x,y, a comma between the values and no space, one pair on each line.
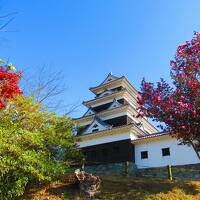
8,21
195,148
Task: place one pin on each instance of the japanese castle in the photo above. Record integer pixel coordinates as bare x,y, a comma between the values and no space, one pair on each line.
110,132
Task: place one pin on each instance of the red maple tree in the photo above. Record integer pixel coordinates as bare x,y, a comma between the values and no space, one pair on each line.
9,84
178,106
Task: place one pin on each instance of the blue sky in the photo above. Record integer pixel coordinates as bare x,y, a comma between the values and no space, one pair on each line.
88,39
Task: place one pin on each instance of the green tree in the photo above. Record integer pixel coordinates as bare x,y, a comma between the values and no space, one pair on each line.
35,146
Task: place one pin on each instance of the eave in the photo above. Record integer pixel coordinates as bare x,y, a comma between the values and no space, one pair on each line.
125,108
131,128
104,98
122,81
104,113
151,137
105,86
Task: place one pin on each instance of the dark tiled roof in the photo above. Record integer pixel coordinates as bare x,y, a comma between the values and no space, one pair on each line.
159,134
98,132
104,96
90,108
110,74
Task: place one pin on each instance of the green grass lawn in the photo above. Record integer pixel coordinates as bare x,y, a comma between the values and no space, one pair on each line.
121,188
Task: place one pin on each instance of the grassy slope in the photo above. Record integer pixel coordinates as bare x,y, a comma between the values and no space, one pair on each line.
124,189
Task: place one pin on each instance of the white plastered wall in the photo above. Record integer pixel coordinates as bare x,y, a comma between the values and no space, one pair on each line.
106,139
179,154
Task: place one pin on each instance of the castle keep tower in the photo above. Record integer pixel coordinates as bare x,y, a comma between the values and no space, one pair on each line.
106,130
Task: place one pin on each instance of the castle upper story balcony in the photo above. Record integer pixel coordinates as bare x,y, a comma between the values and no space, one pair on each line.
123,94
130,131
112,83
116,114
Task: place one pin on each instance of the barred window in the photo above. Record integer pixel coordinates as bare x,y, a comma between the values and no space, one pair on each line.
166,152
144,154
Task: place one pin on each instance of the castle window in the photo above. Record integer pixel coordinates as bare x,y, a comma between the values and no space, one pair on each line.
144,154
166,152
95,126
95,130
106,94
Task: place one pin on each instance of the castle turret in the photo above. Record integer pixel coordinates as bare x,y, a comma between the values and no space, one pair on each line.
105,131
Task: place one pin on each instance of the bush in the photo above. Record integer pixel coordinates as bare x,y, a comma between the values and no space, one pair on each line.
35,145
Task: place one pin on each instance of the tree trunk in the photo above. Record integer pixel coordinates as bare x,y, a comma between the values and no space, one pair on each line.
88,184
195,149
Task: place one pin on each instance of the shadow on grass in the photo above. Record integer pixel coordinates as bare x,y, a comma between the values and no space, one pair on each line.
71,191
120,188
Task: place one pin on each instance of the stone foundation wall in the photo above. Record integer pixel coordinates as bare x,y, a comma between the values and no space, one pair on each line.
112,169
189,172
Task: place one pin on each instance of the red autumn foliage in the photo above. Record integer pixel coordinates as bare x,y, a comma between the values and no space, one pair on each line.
9,85
178,106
